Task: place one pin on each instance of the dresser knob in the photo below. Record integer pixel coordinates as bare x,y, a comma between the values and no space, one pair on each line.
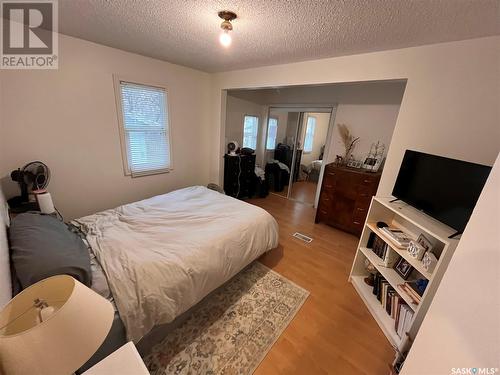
356,222
328,186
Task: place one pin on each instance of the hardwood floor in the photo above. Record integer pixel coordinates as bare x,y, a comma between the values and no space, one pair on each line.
333,333
304,191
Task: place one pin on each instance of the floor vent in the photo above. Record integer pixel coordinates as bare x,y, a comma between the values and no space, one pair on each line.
302,237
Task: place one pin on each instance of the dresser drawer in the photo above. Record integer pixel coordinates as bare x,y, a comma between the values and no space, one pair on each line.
357,226
360,210
329,181
325,201
368,180
322,214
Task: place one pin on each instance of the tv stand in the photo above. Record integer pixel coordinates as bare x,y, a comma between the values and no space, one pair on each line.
454,235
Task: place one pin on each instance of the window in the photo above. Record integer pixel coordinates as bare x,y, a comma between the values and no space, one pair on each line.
308,141
144,129
250,130
272,131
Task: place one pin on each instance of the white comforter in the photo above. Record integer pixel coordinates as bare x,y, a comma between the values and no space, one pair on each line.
164,254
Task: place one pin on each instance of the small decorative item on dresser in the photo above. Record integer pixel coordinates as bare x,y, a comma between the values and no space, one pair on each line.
429,261
375,157
415,250
424,242
353,163
403,268
348,140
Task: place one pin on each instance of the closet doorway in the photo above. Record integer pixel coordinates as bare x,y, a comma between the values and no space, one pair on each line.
295,149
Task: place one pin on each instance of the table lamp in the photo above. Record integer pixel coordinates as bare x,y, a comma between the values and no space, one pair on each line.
53,327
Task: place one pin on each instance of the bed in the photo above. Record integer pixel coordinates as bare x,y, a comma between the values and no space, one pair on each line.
160,256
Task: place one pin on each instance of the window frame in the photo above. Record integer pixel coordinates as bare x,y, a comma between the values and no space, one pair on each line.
305,134
267,133
256,134
117,80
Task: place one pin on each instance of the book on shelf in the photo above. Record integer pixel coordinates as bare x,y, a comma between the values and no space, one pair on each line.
418,286
390,296
382,250
400,238
394,305
415,298
414,289
404,320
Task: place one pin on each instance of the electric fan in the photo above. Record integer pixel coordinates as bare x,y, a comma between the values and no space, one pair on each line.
33,176
232,147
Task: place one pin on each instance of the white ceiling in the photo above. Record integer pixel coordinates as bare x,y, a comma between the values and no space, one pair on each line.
271,32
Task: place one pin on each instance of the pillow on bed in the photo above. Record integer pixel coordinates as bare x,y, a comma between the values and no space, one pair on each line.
42,246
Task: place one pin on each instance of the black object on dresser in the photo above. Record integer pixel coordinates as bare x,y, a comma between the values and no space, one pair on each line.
345,197
239,175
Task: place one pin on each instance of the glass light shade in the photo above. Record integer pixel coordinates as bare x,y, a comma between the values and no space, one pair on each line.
225,39
78,323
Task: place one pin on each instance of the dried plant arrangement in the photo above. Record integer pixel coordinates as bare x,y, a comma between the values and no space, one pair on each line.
348,140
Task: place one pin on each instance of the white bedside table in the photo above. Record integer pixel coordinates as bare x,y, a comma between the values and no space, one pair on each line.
124,361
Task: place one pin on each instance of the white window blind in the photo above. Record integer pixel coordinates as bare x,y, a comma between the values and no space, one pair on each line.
250,130
145,128
272,131
309,138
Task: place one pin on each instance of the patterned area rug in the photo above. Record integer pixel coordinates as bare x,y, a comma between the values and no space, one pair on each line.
233,329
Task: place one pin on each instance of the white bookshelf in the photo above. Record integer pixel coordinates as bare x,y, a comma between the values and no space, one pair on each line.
413,222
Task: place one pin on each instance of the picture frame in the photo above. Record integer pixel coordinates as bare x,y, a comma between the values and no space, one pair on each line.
425,243
372,164
403,268
416,250
355,164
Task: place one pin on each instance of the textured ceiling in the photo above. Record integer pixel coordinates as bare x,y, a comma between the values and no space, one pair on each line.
271,32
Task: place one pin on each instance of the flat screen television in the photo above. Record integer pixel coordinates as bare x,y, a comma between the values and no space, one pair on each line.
446,189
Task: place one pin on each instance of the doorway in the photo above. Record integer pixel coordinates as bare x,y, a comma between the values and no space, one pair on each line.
295,150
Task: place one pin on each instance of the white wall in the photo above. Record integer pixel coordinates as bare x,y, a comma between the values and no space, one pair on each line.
462,327
369,122
450,104
67,118
282,125
236,109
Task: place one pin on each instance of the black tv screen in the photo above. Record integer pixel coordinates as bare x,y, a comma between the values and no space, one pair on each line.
446,189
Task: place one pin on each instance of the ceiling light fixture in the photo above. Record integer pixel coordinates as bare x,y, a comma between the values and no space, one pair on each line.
226,26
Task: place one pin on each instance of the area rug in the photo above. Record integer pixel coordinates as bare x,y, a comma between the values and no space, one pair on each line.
231,331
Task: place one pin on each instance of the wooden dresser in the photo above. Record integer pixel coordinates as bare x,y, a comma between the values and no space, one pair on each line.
345,197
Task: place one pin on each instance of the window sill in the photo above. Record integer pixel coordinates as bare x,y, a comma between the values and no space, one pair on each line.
149,173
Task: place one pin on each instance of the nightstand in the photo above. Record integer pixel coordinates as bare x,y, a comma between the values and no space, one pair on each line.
124,361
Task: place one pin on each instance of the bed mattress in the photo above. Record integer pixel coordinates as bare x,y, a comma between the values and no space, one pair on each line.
164,254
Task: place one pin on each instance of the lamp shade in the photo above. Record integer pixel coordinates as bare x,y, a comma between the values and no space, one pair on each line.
76,322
